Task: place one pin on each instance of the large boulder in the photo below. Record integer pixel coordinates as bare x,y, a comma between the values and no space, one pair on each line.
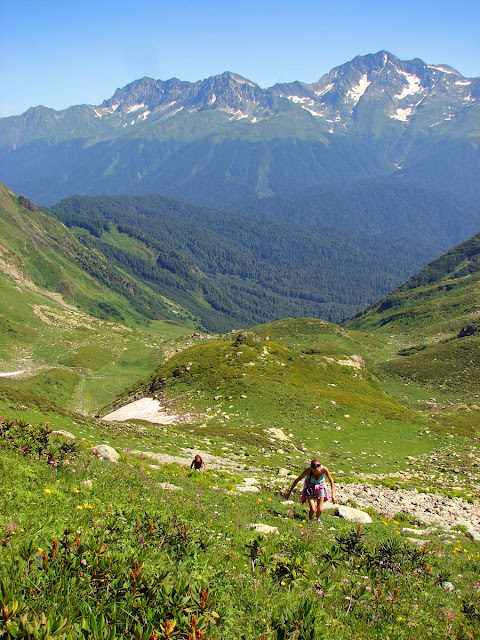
353,515
105,452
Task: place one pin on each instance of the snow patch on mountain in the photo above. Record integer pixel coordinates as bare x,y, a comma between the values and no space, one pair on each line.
322,92
414,85
463,83
440,68
357,92
297,99
402,114
135,107
314,113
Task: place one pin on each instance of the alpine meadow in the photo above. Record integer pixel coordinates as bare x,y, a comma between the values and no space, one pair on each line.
213,293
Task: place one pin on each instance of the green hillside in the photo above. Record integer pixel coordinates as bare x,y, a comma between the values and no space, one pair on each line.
78,327
432,326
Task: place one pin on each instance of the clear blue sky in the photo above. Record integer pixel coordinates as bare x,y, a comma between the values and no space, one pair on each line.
60,53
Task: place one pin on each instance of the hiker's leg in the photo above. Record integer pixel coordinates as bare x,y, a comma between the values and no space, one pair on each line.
320,502
311,503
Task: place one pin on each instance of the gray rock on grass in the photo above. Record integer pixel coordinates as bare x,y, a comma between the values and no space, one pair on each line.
353,515
105,452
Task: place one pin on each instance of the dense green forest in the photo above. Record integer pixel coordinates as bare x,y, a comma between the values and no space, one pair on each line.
230,270
389,207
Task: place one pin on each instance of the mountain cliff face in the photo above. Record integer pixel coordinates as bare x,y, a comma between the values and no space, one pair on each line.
224,139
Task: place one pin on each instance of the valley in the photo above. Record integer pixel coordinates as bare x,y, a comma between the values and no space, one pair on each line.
260,277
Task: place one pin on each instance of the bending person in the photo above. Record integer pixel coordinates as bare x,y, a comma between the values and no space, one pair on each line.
315,487
198,464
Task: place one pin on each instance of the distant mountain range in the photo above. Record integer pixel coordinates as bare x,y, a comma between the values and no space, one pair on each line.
224,140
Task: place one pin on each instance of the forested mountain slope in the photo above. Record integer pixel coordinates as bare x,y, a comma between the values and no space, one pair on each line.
248,270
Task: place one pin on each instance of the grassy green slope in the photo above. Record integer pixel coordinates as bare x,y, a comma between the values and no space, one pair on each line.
61,310
241,387
38,251
431,327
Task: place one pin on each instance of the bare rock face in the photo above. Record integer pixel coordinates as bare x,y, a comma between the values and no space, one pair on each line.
353,515
105,452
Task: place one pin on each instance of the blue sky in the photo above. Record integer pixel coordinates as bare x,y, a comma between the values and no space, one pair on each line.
64,53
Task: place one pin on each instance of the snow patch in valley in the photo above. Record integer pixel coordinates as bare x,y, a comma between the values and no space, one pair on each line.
357,92
463,83
147,409
12,373
402,114
414,85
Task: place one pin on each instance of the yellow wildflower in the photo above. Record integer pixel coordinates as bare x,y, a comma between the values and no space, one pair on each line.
87,506
75,490
399,619
47,491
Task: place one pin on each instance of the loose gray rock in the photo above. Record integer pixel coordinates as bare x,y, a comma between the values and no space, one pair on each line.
247,489
264,528
353,515
169,487
250,482
62,434
283,473
448,586
105,452
418,541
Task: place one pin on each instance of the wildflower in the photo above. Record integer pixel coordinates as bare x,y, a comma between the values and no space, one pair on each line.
39,549
283,583
345,581
83,562
259,500
79,507
75,490
86,505
232,490
368,588
47,491
399,619
5,541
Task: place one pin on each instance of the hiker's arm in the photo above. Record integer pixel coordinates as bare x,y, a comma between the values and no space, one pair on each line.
332,484
294,483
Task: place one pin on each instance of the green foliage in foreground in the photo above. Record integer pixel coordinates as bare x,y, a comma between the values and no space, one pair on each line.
119,557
